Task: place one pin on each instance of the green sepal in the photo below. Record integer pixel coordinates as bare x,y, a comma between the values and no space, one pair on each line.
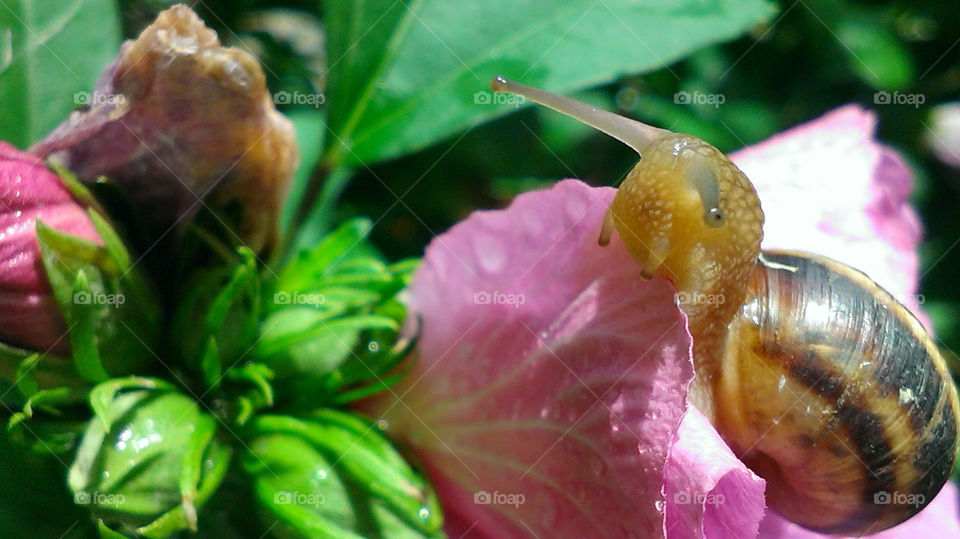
111,313
24,381
79,191
258,377
217,317
28,372
41,424
107,533
304,267
333,319
335,475
211,367
83,331
104,393
198,481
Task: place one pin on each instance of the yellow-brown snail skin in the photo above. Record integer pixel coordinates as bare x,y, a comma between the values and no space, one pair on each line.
816,377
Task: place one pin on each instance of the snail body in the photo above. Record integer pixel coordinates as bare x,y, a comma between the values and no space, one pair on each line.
816,377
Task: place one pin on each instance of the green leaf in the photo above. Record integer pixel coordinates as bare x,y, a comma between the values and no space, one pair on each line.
404,75
310,129
49,51
875,54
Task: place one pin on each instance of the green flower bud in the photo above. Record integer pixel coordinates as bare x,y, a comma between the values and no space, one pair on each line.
335,475
148,458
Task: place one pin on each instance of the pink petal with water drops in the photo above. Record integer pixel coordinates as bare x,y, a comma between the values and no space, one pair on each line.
550,380
710,493
827,187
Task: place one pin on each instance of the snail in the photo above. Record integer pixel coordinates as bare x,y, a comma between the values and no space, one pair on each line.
816,377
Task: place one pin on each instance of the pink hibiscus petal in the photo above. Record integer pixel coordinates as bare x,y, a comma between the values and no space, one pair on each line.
828,188
551,379
710,493
939,519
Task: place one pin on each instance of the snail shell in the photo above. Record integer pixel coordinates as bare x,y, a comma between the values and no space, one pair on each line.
818,379
857,424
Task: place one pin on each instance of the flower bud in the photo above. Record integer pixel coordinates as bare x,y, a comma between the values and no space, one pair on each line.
148,459
29,315
179,121
335,475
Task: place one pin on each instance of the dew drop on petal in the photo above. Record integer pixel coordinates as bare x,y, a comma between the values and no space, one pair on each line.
490,252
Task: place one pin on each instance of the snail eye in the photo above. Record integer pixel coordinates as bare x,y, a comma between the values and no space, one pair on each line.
714,217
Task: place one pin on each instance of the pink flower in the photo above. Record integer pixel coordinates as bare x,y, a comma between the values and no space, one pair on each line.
29,191
549,393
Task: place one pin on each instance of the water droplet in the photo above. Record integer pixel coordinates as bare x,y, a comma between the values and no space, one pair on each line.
660,505
373,346
782,382
321,474
424,513
383,424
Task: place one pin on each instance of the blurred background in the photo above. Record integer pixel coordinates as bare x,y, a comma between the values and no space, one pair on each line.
798,61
